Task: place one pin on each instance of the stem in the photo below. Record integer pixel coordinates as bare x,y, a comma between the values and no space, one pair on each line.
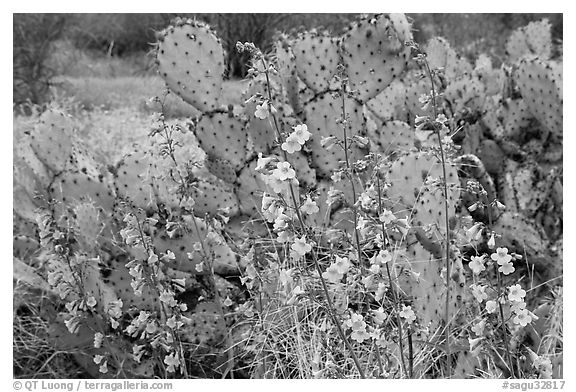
447,223
350,175
392,290
331,308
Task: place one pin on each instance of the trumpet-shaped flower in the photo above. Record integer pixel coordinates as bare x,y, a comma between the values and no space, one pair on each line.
291,144
477,264
516,293
300,247
309,207
301,133
283,171
501,256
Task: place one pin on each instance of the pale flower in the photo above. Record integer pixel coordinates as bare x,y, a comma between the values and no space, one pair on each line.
309,207
98,338
262,162
387,217
501,256
479,292
342,264
300,246
262,110
506,269
301,133
172,361
332,274
379,315
516,293
478,328
360,336
477,264
291,145
491,306
522,318
283,171
408,314
355,322
284,236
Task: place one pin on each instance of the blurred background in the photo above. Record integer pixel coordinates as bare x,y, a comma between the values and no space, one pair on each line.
101,60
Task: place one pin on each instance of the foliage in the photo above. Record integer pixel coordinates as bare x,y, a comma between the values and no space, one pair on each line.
373,208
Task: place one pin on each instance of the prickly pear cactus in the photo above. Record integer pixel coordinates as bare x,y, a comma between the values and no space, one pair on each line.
51,140
191,61
224,136
541,87
322,119
211,196
535,39
374,53
317,59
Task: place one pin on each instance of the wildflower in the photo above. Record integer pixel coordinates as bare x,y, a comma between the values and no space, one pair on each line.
300,246
342,264
542,364
98,358
137,352
522,318
98,338
262,110
441,118
355,322
199,267
277,185
168,298
387,217
478,328
381,257
479,292
227,302
332,274
379,315
309,207
285,277
506,269
474,232
291,145
477,264
301,133
103,368
172,361
501,256
408,314
281,222
360,336
516,293
284,236
152,259
91,301
380,291
283,171
491,306
262,162
337,176
491,242
517,306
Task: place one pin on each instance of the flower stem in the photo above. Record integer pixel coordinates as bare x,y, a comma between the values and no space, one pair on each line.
331,309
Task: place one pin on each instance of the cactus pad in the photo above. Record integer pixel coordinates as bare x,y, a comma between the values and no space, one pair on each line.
191,61
224,136
316,59
51,140
374,53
